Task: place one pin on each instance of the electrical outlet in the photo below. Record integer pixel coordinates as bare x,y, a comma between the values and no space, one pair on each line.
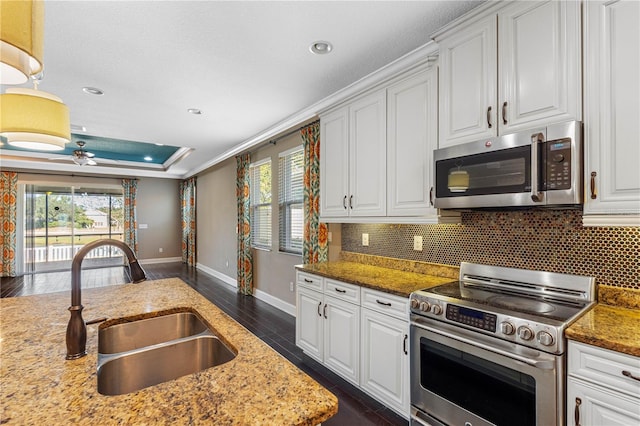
365,239
291,286
160,249
330,236
417,242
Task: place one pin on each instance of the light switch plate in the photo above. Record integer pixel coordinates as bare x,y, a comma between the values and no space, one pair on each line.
365,239
417,242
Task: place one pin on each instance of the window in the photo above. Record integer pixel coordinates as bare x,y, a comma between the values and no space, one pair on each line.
261,204
290,190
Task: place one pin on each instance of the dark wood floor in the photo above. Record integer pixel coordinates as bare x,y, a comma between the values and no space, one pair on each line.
273,326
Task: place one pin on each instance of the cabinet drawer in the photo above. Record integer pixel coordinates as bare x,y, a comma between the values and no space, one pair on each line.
343,291
386,303
309,281
604,367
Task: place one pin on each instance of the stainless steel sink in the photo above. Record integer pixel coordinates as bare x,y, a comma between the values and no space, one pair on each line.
138,354
150,331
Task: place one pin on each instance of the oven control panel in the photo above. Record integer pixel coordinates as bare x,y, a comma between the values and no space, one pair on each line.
527,332
472,317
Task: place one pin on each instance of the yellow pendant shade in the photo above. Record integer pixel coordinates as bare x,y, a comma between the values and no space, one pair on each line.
21,40
34,119
458,181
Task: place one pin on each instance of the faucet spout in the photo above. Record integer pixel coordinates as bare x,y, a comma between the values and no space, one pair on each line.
76,338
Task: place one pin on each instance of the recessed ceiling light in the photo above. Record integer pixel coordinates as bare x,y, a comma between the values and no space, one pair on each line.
194,111
321,47
159,144
93,91
147,158
78,128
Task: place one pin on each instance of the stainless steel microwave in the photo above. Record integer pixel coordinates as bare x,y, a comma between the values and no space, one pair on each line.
538,167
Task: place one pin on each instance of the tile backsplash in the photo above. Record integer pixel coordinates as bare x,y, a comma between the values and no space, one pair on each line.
547,240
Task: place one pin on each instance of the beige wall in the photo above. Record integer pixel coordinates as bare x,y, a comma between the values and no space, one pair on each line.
158,206
216,218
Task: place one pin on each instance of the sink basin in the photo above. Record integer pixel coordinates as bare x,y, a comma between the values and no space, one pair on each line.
137,354
139,369
150,331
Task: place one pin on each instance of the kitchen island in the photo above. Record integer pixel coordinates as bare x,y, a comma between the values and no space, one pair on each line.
258,387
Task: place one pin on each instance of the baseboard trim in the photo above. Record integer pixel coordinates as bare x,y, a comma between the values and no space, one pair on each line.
257,293
160,260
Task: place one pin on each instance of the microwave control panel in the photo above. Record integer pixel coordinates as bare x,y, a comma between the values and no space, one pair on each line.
558,161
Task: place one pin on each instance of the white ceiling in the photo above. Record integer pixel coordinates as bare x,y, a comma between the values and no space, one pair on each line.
246,65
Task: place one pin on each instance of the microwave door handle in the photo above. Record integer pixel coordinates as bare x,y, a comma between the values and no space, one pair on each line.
536,195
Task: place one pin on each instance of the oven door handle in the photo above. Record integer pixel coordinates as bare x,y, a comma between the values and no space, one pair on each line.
540,364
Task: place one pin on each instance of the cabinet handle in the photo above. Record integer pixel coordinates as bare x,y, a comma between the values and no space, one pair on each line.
504,113
630,375
344,202
307,280
489,117
594,194
383,303
404,344
324,311
576,413
431,196
319,304
351,202
339,290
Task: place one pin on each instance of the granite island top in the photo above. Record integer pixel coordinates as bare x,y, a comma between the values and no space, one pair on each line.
394,281
258,387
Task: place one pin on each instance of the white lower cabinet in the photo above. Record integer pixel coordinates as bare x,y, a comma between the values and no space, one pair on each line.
603,387
385,360
359,333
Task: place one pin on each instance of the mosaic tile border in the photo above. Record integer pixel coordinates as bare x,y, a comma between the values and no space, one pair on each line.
547,240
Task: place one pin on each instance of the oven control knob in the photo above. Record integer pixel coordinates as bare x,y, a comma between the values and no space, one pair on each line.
424,306
436,309
545,338
414,303
525,333
507,328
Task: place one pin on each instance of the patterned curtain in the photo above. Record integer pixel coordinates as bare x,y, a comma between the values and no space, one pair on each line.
8,220
130,222
245,256
188,209
314,246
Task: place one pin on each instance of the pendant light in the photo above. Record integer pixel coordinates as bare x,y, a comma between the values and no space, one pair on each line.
21,40
32,119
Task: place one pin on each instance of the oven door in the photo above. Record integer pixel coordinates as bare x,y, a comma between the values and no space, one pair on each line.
459,377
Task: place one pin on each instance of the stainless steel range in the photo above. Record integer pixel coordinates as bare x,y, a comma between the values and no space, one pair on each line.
489,349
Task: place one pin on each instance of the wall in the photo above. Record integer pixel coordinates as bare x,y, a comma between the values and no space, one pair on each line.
158,206
216,219
553,241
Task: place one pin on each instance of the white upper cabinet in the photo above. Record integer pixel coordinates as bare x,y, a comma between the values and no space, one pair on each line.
412,135
612,113
468,77
353,159
517,68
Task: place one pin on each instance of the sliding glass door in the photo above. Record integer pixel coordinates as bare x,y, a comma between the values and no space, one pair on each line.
60,220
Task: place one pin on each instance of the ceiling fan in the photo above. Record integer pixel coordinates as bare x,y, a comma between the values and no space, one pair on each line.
82,157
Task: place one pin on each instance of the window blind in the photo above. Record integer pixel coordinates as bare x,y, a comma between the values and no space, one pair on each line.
290,199
260,202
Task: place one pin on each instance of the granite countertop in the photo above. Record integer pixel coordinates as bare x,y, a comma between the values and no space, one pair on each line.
616,328
39,386
389,280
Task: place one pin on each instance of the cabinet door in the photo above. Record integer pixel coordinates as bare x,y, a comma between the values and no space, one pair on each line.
342,338
591,405
368,156
385,359
539,53
612,108
309,322
411,138
334,163
468,78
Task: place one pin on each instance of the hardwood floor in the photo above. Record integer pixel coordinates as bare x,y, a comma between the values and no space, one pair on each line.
273,326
